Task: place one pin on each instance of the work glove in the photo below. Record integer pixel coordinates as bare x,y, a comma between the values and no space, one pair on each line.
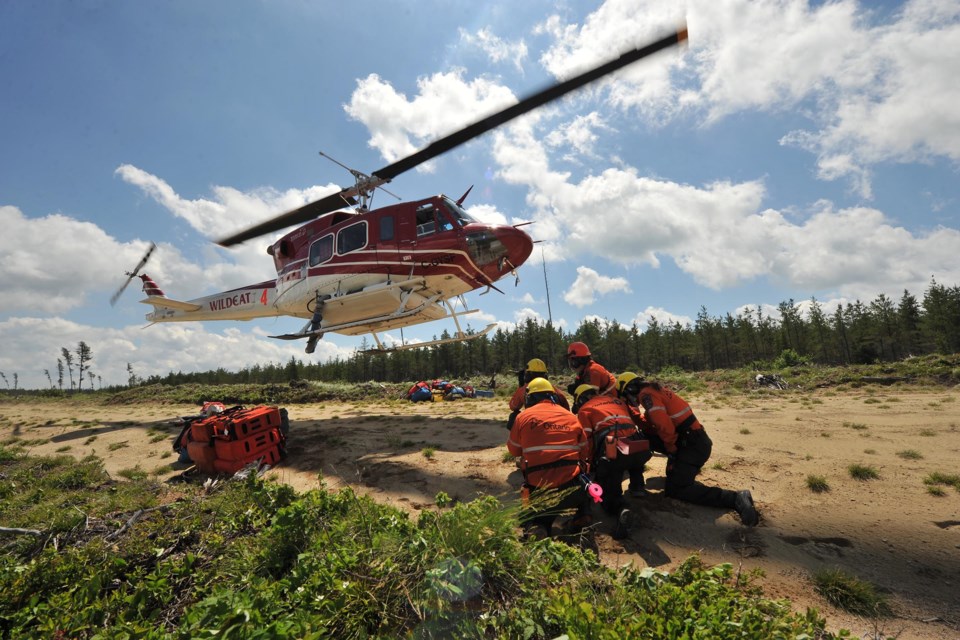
511,420
571,388
521,377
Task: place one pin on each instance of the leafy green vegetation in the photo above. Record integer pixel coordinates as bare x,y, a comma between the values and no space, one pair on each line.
850,593
254,559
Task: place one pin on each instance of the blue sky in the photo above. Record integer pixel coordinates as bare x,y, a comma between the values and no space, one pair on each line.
793,149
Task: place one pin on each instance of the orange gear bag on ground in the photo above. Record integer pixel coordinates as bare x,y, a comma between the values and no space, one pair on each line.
226,442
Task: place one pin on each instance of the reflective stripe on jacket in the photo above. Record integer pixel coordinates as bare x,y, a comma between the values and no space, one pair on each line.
668,415
549,437
603,415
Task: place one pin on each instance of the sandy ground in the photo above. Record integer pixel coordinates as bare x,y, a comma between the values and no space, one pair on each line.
889,531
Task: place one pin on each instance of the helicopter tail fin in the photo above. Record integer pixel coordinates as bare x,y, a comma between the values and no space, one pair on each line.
156,297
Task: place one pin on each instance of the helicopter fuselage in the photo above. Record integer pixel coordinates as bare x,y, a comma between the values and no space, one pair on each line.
369,271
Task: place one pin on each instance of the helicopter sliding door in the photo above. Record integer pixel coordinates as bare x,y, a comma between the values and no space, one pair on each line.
386,241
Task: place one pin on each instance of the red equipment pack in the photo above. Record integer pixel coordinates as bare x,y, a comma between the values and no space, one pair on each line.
203,455
249,448
248,422
225,442
270,456
215,426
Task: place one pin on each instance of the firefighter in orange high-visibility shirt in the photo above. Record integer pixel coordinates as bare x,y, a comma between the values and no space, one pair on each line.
606,421
536,368
553,451
673,429
588,371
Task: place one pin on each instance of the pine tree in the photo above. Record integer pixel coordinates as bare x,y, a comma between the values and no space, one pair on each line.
68,358
84,356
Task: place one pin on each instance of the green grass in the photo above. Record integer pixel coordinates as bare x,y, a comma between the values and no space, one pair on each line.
114,446
429,452
858,426
910,454
927,432
256,558
817,484
946,479
745,431
863,472
135,473
850,593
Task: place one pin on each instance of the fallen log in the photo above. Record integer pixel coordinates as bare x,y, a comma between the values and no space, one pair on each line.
14,531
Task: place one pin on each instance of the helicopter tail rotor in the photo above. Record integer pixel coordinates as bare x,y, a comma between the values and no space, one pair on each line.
133,274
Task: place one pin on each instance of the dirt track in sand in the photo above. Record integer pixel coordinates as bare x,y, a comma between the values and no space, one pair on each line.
889,531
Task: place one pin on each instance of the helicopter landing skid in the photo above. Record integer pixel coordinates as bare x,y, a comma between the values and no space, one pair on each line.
463,337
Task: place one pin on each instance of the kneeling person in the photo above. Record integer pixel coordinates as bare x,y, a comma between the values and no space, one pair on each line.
553,451
606,422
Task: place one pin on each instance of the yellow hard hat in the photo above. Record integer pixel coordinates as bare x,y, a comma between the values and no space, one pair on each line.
537,366
539,385
583,389
624,379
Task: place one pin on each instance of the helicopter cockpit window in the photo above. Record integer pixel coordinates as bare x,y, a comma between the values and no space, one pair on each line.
321,250
457,213
425,219
352,238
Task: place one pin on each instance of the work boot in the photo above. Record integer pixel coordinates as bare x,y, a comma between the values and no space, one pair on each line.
744,506
637,490
622,529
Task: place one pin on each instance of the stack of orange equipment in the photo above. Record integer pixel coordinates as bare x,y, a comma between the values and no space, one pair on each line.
226,442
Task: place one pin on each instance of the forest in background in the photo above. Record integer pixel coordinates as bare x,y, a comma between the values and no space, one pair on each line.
882,330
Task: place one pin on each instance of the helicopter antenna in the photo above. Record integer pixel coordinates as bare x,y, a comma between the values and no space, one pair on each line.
365,185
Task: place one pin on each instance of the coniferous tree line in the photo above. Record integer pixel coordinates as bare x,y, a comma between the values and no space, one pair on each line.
856,333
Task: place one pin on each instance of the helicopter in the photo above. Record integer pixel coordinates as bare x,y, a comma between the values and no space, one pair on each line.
353,270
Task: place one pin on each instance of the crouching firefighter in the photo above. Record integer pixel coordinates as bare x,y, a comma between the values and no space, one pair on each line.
536,368
616,448
553,450
673,429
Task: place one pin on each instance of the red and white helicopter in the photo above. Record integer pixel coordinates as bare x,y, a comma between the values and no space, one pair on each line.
352,270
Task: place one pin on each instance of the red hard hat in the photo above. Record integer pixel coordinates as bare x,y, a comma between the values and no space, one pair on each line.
577,350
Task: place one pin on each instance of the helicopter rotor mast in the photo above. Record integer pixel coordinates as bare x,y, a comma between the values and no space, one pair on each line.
365,184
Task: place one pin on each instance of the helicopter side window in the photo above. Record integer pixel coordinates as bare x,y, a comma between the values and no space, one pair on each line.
386,228
321,250
352,238
425,221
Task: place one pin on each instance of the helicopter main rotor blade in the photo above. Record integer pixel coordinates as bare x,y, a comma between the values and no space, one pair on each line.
441,146
529,103
306,213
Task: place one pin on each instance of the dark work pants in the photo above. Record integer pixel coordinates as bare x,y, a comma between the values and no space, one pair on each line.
609,476
693,451
577,500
